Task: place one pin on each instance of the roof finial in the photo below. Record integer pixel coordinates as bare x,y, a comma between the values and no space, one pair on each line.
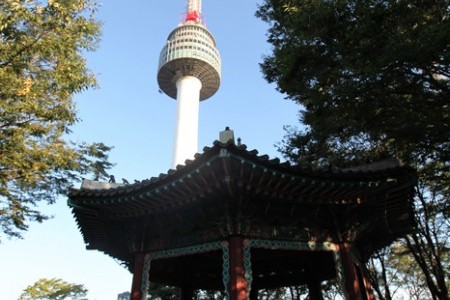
226,136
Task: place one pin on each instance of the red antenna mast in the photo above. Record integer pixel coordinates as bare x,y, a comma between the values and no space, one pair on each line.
193,11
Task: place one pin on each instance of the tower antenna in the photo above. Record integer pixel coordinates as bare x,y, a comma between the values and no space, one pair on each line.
194,11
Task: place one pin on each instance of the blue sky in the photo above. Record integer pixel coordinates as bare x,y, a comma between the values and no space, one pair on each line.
129,113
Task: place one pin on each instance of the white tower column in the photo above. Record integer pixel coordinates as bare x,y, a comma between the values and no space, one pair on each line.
186,131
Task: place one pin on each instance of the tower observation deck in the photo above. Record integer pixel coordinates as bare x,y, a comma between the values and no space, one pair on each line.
190,51
189,71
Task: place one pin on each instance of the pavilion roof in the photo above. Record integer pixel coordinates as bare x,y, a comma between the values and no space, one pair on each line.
227,171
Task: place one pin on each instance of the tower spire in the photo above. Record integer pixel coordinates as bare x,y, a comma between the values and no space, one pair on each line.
189,71
193,10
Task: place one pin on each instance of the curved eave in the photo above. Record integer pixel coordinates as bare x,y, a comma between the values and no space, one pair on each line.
225,162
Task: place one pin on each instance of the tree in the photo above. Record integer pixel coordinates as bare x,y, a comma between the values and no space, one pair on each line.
370,75
393,271
373,70
158,292
41,68
373,81
429,244
273,294
209,295
54,289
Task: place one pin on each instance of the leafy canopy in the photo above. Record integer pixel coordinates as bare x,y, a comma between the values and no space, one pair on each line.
369,74
54,289
373,81
41,68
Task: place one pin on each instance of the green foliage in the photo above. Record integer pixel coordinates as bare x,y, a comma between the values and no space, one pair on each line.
273,294
41,68
209,295
330,291
372,78
54,289
393,270
371,71
158,291
429,244
164,292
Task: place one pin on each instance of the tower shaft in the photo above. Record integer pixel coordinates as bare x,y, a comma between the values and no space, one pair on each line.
186,131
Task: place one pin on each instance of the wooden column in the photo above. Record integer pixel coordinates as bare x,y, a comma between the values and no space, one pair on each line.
136,292
352,285
315,290
238,283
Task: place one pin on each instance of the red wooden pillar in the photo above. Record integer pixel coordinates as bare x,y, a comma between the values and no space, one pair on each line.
238,283
352,284
136,292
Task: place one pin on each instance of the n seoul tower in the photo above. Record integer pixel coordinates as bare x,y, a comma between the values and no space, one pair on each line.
189,71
